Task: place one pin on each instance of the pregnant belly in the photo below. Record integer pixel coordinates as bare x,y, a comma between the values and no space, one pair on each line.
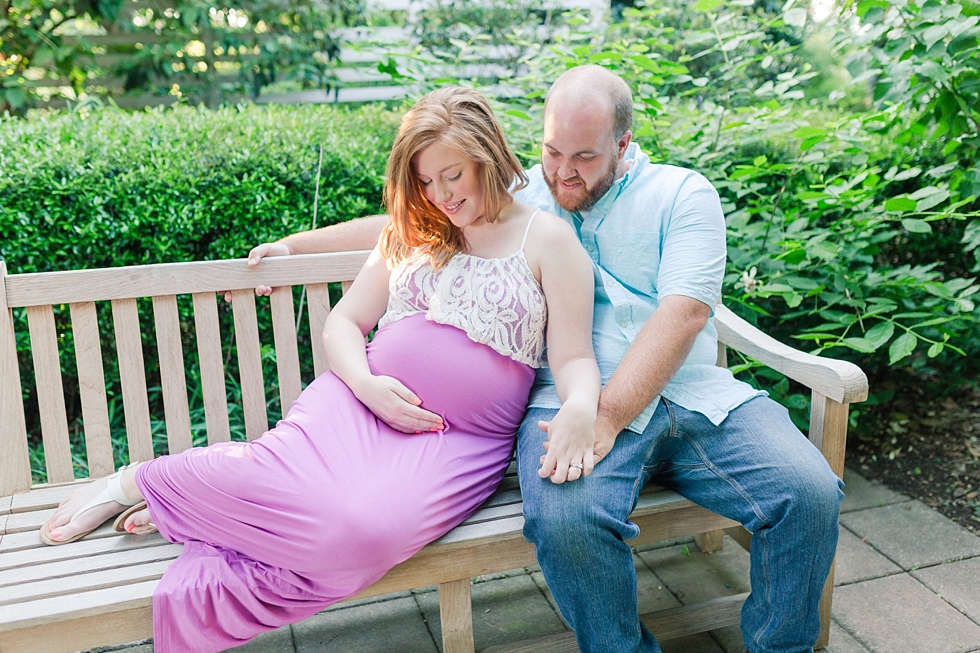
470,385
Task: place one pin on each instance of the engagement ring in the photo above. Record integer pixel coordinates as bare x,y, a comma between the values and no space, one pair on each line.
577,466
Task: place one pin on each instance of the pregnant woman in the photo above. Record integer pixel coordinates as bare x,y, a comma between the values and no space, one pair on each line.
407,435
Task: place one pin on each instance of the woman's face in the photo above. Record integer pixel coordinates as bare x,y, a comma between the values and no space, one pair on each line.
451,181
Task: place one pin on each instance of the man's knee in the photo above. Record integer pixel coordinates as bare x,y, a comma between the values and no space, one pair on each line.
814,495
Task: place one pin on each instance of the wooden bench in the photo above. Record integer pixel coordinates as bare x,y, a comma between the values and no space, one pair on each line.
98,591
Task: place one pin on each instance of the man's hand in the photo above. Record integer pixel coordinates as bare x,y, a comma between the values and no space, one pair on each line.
571,439
257,254
396,405
605,438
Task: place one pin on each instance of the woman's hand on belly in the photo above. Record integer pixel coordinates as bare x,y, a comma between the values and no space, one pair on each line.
396,405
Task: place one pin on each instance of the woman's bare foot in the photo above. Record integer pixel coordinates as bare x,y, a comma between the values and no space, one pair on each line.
61,528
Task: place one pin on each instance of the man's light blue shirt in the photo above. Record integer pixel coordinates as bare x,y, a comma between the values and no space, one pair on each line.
658,231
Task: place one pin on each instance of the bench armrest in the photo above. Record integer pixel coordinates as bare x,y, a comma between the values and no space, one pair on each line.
838,380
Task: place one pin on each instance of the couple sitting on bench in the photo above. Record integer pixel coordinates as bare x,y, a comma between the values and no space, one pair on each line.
479,265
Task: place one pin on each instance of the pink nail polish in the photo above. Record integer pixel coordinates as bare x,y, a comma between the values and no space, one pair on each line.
434,430
130,528
417,432
55,534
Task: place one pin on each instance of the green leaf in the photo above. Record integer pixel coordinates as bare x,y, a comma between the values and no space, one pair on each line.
16,97
907,174
902,347
759,161
917,226
518,114
932,200
804,133
708,5
934,34
862,345
880,333
935,349
943,170
867,5
900,204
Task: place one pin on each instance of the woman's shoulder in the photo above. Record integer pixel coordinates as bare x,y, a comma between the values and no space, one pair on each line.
546,227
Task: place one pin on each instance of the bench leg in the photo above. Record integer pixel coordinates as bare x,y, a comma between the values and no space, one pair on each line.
825,604
710,541
456,613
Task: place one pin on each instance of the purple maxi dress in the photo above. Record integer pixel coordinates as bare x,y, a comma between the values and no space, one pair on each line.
320,507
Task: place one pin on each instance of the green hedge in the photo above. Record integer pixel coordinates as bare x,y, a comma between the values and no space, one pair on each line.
112,188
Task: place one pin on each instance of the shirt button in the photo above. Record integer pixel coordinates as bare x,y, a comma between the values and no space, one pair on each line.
591,248
622,324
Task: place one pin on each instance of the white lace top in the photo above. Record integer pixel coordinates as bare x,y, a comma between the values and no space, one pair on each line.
495,301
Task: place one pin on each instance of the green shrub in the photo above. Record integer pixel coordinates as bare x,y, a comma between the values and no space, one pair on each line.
111,188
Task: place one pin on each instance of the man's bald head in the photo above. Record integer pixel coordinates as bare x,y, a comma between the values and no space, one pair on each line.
592,86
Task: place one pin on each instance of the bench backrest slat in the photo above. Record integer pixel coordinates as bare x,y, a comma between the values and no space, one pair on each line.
50,394
214,392
172,380
37,289
15,466
287,352
132,378
250,363
91,387
318,298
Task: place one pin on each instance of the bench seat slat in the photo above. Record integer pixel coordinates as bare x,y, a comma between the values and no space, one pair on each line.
41,554
43,496
172,380
113,599
132,378
83,582
212,368
50,394
63,568
250,363
91,387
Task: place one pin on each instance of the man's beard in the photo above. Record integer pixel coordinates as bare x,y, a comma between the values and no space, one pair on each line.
582,201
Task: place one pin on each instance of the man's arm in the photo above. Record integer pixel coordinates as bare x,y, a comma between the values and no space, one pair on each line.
648,366
349,236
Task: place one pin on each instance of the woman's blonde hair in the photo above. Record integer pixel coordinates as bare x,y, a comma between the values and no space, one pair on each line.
462,119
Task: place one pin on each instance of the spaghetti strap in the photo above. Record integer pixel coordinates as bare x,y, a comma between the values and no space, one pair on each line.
528,228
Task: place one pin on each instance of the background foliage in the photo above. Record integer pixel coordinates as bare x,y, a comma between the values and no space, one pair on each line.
850,189
845,153
192,49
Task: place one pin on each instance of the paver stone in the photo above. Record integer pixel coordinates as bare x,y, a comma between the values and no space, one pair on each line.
897,614
912,534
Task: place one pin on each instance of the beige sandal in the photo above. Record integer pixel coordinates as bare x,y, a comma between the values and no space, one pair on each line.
120,524
113,492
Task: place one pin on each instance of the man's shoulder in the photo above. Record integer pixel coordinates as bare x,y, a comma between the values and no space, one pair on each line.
670,179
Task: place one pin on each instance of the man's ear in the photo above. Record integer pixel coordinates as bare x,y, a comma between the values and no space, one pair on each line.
623,143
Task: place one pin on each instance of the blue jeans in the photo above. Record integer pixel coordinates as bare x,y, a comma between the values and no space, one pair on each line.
756,468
